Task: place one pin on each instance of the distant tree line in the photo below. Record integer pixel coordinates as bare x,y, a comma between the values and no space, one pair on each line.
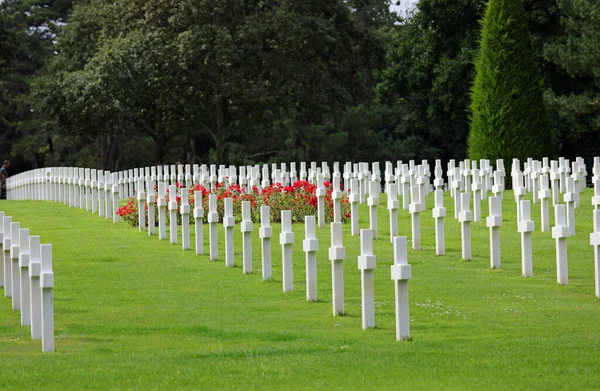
131,83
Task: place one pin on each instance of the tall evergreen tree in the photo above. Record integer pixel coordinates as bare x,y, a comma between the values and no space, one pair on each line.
509,119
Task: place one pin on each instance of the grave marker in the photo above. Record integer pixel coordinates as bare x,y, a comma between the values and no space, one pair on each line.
246,228
35,270
24,276
337,255
173,214
560,232
366,265
1,249
286,239
47,285
185,219
415,213
15,272
228,223
569,198
320,193
141,196
372,202
310,246
465,217
494,222
354,198
265,233
439,212
393,205
115,197
213,220
526,228
544,195
401,273
595,241
7,263
198,220
476,188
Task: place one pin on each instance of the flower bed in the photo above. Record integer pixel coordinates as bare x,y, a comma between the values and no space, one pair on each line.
300,198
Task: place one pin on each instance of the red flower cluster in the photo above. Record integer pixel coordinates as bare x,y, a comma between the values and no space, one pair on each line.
300,198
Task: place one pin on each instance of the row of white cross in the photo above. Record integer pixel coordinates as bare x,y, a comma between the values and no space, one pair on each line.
27,277
409,181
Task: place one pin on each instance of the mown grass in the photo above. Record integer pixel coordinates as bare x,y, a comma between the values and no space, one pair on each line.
136,312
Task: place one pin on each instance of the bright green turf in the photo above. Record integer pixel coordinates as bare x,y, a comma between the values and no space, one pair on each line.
135,312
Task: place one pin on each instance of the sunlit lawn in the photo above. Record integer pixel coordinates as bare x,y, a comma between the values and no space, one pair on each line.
136,312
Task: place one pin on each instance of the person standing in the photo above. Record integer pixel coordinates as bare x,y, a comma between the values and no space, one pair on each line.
4,176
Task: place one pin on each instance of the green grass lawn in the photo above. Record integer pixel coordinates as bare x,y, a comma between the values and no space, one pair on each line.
135,312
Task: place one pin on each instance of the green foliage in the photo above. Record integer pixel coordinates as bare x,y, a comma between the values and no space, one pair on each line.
428,73
509,119
574,99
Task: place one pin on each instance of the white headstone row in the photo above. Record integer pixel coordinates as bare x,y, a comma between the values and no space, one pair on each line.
27,277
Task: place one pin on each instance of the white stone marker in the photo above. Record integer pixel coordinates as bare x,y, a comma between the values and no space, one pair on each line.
310,245
162,211
115,197
596,196
265,232
372,202
173,214
35,304
498,186
456,185
393,204
141,197
1,249
88,189
185,219
405,187
595,241
336,196
569,198
401,273
494,222
476,188
228,224
7,264
150,198
465,217
544,196
415,209
366,265
337,255
94,185
519,192
198,217
246,228
526,226
213,221
554,182
561,232
107,191
320,193
535,178
47,285
439,212
24,276
354,199
286,239
15,272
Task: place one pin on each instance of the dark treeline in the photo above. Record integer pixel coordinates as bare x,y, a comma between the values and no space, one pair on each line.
121,84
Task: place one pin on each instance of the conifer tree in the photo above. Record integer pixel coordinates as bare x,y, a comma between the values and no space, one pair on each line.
508,117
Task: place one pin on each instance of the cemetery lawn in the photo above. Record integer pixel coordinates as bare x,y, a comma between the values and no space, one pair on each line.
135,312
